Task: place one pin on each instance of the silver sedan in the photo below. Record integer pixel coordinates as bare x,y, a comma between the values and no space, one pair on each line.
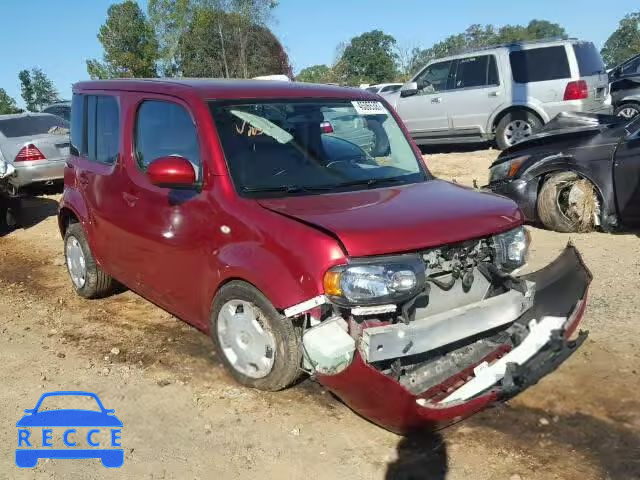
37,145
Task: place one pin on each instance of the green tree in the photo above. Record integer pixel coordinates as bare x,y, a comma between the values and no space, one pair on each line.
624,42
37,89
129,42
169,20
204,49
7,103
369,58
314,74
26,90
477,36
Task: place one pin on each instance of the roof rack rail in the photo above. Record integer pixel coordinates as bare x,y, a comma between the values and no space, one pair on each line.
512,44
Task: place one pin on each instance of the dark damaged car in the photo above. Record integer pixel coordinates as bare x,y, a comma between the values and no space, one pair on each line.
580,172
228,204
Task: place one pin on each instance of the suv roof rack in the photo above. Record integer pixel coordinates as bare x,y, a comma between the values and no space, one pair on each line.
512,44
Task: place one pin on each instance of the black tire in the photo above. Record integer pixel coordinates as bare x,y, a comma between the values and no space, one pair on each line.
10,213
625,106
97,283
532,120
550,199
288,351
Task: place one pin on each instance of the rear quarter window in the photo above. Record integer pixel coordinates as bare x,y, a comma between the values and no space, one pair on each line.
589,59
539,64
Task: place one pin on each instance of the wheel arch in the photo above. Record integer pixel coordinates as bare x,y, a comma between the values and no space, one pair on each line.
514,108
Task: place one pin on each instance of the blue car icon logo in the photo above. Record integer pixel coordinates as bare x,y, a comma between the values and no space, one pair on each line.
40,431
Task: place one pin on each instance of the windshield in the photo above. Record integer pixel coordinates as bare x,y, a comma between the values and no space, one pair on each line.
305,147
31,125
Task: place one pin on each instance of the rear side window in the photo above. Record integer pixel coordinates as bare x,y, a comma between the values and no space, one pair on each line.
31,125
164,129
539,64
78,122
103,128
589,59
477,71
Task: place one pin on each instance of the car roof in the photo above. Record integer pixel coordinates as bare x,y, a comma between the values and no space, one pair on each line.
226,88
64,103
545,42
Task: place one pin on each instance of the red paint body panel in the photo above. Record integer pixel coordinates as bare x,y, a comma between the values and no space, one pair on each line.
398,219
177,247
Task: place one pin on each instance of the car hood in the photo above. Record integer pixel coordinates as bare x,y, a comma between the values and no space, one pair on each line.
69,418
404,218
571,130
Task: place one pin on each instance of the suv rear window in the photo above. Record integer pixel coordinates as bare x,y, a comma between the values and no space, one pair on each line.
589,59
539,64
31,125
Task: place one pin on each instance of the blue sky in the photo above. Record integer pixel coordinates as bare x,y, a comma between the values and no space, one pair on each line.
60,36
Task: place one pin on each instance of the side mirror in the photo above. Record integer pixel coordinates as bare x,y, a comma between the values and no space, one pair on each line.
172,172
408,89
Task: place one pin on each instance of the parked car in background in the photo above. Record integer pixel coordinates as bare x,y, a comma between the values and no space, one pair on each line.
37,145
579,172
504,93
384,88
225,203
61,109
625,87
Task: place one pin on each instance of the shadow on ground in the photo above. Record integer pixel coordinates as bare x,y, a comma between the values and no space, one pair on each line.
611,446
421,456
454,148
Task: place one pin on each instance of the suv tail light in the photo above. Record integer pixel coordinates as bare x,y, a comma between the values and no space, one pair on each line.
326,127
577,90
29,153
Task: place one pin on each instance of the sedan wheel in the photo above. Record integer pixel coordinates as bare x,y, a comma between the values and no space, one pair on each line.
627,111
248,347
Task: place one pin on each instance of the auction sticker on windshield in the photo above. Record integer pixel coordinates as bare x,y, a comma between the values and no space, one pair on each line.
69,425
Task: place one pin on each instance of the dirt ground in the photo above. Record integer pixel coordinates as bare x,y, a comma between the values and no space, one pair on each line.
185,418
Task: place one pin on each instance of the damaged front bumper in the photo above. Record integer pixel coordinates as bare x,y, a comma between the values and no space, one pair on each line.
458,379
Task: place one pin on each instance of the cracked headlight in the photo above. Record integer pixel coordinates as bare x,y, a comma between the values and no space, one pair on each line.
506,169
375,281
511,248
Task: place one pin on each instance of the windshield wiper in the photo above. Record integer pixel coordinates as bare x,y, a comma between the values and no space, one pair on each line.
286,188
371,182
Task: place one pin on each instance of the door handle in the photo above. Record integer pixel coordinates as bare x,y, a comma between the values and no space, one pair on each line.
436,100
494,94
129,199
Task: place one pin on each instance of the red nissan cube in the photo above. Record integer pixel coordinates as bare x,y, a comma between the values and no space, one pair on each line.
299,227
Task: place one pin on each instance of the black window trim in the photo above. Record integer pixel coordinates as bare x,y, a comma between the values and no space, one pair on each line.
448,84
453,78
200,174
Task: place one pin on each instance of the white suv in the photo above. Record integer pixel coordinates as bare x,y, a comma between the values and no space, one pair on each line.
504,93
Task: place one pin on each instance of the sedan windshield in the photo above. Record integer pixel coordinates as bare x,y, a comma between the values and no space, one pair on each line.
306,147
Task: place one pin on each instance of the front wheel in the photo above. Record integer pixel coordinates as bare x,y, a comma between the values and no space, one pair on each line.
568,203
257,345
515,127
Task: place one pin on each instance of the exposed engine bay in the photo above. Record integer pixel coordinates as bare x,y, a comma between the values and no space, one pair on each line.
471,325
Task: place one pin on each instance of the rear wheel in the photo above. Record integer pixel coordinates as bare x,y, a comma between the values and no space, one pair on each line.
568,203
87,278
258,346
627,110
515,127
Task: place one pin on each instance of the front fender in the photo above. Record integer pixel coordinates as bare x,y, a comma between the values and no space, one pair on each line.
284,285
